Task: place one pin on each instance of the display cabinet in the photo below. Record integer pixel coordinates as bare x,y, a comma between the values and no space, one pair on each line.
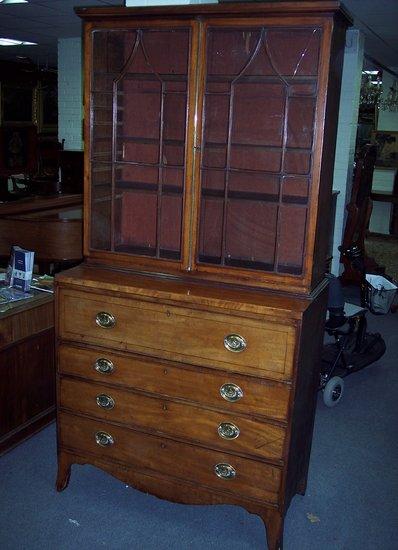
209,150
207,144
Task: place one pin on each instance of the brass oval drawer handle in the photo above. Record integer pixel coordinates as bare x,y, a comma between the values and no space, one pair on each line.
231,392
224,470
228,430
105,320
235,343
104,366
103,439
105,401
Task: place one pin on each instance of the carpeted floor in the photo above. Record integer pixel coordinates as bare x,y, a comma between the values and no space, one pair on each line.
351,501
384,250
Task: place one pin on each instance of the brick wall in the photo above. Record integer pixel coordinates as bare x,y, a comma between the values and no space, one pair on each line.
70,96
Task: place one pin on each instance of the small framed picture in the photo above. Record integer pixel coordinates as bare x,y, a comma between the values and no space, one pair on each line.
387,145
18,149
47,107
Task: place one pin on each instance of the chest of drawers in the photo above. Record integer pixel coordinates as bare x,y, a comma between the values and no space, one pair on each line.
186,391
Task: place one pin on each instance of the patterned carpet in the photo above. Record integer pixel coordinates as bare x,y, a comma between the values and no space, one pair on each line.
384,249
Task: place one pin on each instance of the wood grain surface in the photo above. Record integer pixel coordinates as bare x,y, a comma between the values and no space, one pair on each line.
200,385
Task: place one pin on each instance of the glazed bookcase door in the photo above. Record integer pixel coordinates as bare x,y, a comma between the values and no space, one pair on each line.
260,91
138,108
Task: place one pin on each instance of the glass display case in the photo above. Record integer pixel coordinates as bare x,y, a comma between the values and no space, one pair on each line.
205,148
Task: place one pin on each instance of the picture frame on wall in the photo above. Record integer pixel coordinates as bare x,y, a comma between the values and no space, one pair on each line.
387,145
17,104
47,107
18,149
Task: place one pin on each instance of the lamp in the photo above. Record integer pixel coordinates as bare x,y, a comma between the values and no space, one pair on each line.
371,89
372,94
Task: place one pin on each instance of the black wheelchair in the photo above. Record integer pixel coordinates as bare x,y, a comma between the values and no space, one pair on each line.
353,347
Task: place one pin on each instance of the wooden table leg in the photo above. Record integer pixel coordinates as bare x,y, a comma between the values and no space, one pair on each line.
274,521
64,470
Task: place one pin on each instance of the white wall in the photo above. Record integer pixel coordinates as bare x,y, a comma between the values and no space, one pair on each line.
70,92
346,134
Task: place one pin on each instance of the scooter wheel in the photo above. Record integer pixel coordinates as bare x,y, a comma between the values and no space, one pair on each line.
333,391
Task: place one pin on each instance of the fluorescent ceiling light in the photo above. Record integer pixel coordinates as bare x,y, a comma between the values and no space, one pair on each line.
370,72
11,42
13,1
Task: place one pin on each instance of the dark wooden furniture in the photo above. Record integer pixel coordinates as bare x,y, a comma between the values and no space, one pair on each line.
359,211
51,226
72,172
28,205
189,341
27,370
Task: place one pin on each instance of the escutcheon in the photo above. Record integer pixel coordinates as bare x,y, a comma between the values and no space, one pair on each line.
225,471
103,439
228,430
105,320
105,401
231,392
235,343
104,366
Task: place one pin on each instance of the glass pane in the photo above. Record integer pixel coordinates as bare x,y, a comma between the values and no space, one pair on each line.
101,190
291,242
138,106
258,124
136,226
250,231
211,230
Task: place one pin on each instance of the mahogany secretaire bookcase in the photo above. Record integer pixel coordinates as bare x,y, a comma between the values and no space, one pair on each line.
188,341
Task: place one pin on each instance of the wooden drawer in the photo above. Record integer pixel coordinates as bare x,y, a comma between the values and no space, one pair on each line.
23,321
180,334
176,419
148,453
201,385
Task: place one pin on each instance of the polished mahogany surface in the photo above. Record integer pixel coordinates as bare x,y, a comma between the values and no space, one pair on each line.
189,340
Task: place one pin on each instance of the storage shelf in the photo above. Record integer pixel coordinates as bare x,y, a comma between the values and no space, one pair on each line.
255,196
249,264
262,79
244,195
278,174
280,148
150,77
150,141
149,187
147,251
